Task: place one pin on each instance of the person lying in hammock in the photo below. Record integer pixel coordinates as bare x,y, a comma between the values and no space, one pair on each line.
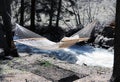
6,25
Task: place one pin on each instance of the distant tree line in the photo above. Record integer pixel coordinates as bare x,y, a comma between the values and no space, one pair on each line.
29,11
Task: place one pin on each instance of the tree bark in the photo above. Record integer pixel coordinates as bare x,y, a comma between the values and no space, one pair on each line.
9,47
116,68
32,27
6,16
79,18
51,13
22,13
58,14
76,18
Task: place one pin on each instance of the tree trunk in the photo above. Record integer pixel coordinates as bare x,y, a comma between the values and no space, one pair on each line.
89,12
79,18
78,15
51,13
22,13
116,68
32,27
75,16
5,6
58,14
6,16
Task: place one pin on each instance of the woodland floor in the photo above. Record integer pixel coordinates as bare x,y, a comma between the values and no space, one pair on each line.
42,68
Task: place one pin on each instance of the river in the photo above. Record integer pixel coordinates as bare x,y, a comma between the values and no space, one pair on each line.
75,54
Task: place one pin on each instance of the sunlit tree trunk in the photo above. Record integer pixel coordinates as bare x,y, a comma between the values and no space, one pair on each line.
116,68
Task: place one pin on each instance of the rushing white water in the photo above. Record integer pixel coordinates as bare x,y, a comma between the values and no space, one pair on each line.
92,56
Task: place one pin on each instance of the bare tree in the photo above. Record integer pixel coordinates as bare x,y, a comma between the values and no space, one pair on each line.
72,6
77,14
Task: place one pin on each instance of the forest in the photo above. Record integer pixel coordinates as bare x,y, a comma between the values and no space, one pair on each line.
59,41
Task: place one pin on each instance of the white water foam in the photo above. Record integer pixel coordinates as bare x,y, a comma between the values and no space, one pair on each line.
92,56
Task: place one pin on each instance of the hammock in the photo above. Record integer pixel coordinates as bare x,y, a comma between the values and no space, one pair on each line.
85,32
30,38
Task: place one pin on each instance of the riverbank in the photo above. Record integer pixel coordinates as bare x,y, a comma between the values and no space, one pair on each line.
42,68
